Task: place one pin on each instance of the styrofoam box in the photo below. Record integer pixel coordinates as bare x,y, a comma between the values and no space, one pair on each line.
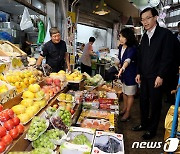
68,147
101,143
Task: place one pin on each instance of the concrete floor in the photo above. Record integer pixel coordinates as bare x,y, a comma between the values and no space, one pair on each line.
131,136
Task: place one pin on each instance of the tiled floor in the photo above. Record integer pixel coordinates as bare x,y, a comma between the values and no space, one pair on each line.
131,136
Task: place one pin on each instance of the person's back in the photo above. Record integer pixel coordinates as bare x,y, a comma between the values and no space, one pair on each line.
86,57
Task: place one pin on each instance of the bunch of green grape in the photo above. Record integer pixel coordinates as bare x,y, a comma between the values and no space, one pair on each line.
41,151
37,126
81,139
44,141
65,116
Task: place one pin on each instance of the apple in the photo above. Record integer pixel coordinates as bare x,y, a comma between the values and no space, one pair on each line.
72,111
55,106
57,82
49,81
58,88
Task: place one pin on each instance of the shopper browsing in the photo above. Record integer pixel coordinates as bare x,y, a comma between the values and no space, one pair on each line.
86,57
154,60
55,52
128,66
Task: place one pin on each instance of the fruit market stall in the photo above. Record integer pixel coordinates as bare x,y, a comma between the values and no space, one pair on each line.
51,107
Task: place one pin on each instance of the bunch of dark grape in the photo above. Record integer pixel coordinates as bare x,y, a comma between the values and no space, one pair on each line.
58,123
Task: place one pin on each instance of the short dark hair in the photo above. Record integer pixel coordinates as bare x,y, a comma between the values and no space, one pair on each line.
178,24
53,30
128,33
92,39
154,12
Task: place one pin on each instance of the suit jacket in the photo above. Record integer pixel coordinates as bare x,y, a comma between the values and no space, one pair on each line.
128,76
154,59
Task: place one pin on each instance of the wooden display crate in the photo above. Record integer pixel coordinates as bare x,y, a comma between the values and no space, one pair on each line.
20,144
15,49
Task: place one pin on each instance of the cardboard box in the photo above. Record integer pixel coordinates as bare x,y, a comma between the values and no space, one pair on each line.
107,142
69,147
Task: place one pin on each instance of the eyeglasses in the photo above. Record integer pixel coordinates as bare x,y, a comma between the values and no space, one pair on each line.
55,35
145,19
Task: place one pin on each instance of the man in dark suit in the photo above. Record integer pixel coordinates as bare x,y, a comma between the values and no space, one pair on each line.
154,59
178,33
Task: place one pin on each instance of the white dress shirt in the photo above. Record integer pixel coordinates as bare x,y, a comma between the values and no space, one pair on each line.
150,33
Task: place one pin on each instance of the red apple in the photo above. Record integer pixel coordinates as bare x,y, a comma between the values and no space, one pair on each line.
49,81
58,88
57,82
72,111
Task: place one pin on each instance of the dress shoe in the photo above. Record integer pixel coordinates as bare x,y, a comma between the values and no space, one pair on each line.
125,119
138,128
148,135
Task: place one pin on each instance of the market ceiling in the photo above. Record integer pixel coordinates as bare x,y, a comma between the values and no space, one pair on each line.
124,7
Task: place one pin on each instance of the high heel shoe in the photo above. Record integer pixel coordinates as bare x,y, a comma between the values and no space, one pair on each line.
122,112
125,119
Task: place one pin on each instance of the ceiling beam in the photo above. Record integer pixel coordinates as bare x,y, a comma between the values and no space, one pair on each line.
30,6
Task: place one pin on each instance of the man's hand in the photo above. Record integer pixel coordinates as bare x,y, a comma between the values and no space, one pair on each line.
158,82
138,79
69,68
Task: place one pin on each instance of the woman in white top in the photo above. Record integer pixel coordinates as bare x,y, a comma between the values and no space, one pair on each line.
128,67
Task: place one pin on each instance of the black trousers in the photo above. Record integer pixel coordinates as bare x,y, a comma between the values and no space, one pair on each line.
85,68
150,104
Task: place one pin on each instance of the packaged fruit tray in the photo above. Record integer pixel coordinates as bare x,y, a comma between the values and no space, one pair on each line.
93,114
99,124
37,128
107,142
50,139
61,100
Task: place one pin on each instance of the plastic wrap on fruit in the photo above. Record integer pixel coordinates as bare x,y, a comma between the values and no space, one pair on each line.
112,146
37,127
81,139
50,111
57,122
49,139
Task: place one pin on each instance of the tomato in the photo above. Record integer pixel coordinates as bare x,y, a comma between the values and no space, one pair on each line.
2,131
20,128
2,146
4,116
16,121
1,107
7,139
14,133
9,124
10,112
